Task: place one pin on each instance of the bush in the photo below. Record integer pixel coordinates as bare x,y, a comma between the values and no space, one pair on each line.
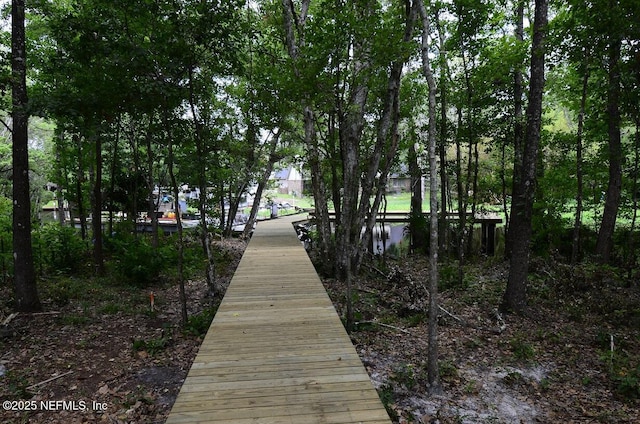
59,248
135,261
198,325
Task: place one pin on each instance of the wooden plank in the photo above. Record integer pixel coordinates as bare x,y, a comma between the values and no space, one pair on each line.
276,351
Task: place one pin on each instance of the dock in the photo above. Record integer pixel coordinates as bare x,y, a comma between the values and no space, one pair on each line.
276,351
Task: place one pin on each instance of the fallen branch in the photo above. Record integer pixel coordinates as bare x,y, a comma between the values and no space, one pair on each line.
495,330
383,325
33,386
45,313
376,270
9,318
370,291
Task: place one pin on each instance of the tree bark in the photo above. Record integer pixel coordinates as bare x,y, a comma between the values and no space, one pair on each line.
214,289
25,288
518,130
379,163
577,225
515,296
433,373
293,22
176,192
604,244
417,229
442,145
59,177
152,204
631,242
82,216
96,214
273,158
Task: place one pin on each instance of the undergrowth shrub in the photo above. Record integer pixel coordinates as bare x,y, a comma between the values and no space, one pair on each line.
135,260
152,346
198,325
6,247
59,248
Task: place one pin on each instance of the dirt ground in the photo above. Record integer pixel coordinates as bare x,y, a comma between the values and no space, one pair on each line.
574,357
118,362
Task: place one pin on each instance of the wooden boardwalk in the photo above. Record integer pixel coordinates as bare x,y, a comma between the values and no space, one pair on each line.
276,351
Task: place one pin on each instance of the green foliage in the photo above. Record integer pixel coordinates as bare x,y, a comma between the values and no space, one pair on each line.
152,346
62,290
521,348
75,320
404,375
6,249
627,383
198,325
623,366
136,261
448,370
17,384
60,249
387,397
450,277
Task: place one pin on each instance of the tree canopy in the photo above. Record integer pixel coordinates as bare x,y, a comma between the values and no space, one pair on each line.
218,93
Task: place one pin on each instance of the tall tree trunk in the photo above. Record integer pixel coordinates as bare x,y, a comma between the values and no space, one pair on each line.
273,158
462,202
25,288
348,228
631,244
444,132
433,373
112,182
381,160
96,214
518,131
152,204
417,229
293,22
515,296
604,244
234,204
82,215
323,223
333,147
577,225
176,192
59,177
474,198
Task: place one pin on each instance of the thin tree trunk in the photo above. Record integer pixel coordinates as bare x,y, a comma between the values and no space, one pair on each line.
151,203
96,215
604,244
112,183
273,158
433,373
25,288
234,205
442,145
417,230
631,246
293,22
474,198
518,130
59,178
82,215
515,296
385,149
176,192
462,203
577,225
